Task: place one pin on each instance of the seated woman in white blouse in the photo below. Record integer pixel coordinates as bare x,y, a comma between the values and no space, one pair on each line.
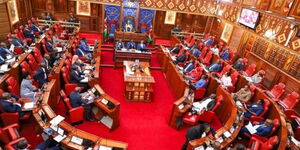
226,80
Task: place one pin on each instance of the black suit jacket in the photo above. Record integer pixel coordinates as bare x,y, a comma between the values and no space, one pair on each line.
75,77
196,132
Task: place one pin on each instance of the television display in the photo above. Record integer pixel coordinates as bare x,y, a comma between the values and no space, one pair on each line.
249,18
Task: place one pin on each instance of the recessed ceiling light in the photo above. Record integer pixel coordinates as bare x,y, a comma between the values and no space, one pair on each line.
268,11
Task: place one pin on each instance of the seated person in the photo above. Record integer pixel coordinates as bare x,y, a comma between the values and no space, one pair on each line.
196,132
244,94
212,145
238,65
76,76
256,78
48,62
36,28
28,33
200,84
182,57
49,144
16,42
131,45
226,80
41,75
84,46
209,41
195,51
176,49
48,17
225,54
119,44
49,45
256,108
217,48
177,28
81,53
9,104
205,104
27,89
128,27
4,51
215,67
72,18
142,47
263,128
76,100
194,74
189,66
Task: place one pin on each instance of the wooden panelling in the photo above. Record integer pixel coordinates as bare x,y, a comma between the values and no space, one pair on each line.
60,5
4,22
235,39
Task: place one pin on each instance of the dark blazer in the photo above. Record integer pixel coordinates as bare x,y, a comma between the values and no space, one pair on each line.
131,45
2,60
48,64
238,66
10,107
41,76
49,47
196,132
75,77
16,42
28,33
76,100
4,52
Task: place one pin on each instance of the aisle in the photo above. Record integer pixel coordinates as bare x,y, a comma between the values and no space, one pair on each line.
142,125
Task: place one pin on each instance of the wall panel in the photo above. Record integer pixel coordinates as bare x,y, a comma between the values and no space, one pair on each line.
4,22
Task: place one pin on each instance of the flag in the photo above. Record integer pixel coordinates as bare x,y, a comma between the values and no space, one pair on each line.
149,37
105,31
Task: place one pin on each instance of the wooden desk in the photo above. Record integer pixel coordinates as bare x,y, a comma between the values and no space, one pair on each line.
55,72
138,86
127,36
105,110
71,131
130,55
96,73
2,82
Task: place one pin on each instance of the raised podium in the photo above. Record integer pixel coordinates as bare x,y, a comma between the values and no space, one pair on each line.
127,36
138,81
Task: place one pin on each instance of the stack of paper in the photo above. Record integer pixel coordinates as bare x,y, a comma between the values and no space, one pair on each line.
251,128
76,140
104,101
29,105
57,120
85,80
105,148
4,68
59,138
227,134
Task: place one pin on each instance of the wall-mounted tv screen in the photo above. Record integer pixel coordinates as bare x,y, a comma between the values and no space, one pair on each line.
249,18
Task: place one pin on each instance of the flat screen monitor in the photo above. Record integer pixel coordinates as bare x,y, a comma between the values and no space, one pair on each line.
249,18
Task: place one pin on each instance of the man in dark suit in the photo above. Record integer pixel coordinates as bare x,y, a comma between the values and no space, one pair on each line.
4,51
16,41
28,33
256,108
8,104
77,101
41,75
75,77
196,132
119,44
46,60
264,128
215,67
238,65
131,45
49,45
142,47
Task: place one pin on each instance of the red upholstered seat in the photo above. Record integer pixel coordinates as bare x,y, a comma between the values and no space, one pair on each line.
231,56
234,78
199,93
37,55
45,47
9,133
206,60
276,91
224,70
11,145
26,68
76,114
21,36
262,144
219,100
32,62
204,51
250,70
13,86
12,118
276,124
289,101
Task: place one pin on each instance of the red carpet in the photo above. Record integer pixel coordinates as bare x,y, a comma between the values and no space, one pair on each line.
162,42
144,126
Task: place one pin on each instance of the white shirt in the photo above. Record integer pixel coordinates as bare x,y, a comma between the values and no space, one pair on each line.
226,81
201,105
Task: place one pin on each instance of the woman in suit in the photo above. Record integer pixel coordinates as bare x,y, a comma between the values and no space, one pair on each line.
27,89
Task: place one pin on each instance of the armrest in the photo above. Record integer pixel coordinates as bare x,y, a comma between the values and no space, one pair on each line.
10,145
260,138
256,119
76,110
11,126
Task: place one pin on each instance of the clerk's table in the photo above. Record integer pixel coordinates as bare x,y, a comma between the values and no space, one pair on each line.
138,81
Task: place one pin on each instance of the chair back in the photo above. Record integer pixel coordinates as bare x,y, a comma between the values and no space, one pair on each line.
37,55
45,47
290,100
13,86
224,70
219,100
278,90
250,70
271,142
33,64
266,107
67,101
200,93
26,68
276,124
4,137
234,77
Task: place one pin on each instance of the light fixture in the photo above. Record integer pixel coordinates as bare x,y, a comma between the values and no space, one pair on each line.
290,18
220,12
270,34
268,11
219,20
